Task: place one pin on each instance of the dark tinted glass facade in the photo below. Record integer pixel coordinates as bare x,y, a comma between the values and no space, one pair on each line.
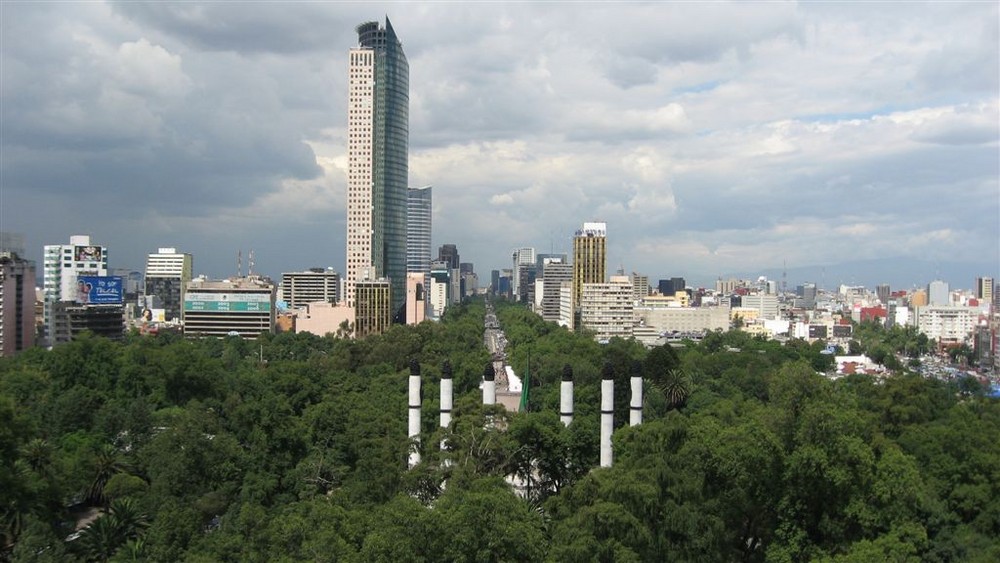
390,155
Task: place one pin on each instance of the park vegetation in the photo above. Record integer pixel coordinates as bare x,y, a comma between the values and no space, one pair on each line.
293,448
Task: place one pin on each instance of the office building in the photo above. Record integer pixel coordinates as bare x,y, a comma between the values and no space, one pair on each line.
97,307
523,260
606,308
555,272
418,229
439,289
526,276
542,257
505,284
448,253
727,287
883,291
17,303
373,307
70,319
670,287
378,137
984,290
310,286
640,286
765,305
416,298
683,320
234,307
938,293
470,284
322,318
62,264
589,257
167,271
806,295
12,243
947,324
567,308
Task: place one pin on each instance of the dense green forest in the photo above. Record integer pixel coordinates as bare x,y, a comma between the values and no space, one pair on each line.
294,447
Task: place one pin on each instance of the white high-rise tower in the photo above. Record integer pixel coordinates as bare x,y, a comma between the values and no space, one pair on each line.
378,137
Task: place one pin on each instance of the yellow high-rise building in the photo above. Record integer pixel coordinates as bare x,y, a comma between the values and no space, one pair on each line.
372,307
590,253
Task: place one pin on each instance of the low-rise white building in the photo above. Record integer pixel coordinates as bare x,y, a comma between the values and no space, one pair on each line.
683,319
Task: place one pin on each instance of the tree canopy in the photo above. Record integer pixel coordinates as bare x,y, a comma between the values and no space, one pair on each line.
294,448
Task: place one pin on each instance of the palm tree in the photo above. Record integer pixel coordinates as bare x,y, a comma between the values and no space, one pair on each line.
108,462
104,536
100,539
676,387
38,454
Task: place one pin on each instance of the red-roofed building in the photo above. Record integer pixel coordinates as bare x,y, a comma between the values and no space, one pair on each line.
873,313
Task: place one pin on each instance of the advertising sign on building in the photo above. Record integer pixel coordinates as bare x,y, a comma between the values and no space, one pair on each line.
238,302
87,253
99,290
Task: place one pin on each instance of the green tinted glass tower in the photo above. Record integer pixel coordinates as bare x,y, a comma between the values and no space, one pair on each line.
378,139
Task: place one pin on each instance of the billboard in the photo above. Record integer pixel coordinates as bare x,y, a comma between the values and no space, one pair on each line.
842,331
817,331
87,253
99,290
225,302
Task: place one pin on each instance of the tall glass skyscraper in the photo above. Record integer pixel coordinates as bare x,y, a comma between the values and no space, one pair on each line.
378,138
418,230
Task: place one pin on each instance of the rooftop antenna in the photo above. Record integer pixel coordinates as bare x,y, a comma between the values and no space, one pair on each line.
250,267
239,263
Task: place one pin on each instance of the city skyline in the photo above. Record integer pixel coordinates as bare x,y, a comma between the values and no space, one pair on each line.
711,138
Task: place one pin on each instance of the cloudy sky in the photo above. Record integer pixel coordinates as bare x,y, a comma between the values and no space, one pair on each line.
712,138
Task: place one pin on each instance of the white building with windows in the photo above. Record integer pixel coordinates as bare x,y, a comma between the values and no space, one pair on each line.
62,264
947,324
766,305
522,259
607,308
310,286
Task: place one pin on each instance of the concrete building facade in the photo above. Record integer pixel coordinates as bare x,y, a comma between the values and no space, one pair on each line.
62,264
17,304
607,308
938,293
555,273
984,289
947,324
234,307
310,286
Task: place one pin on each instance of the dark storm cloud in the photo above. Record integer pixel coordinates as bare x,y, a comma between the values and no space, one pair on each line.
245,27
710,137
124,121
